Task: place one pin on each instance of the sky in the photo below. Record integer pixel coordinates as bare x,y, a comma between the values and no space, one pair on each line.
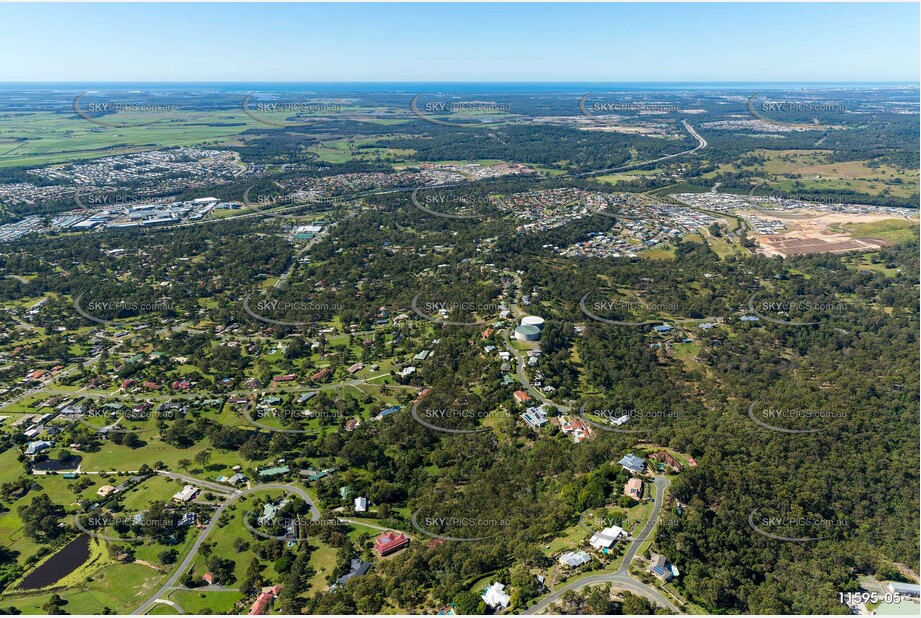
723,42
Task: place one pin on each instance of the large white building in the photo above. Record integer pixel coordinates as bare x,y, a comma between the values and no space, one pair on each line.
188,492
607,537
496,597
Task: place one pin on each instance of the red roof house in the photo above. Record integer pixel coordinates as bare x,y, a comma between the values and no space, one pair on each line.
264,599
390,542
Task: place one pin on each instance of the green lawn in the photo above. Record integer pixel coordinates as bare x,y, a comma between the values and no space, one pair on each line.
219,601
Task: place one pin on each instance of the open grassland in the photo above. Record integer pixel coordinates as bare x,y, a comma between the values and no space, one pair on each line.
118,587
798,172
44,138
892,230
193,602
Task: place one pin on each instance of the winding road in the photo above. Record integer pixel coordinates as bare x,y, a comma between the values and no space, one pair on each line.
621,578
144,607
701,143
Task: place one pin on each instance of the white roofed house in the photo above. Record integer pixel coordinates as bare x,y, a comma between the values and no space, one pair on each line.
361,505
496,597
607,537
575,559
188,492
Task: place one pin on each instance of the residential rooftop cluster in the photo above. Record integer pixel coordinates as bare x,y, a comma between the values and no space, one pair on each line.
730,203
477,171
191,164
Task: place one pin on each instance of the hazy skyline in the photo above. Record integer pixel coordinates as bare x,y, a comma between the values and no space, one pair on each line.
460,42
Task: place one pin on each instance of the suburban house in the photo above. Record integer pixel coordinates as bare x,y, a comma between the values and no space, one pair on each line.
38,446
361,505
496,597
634,488
355,368
208,578
574,428
575,559
273,472
390,542
522,397
660,567
188,492
536,417
106,490
269,511
632,463
668,460
322,374
265,598
288,377
607,537
357,568
237,479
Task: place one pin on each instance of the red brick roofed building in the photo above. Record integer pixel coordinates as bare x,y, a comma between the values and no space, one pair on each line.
668,460
264,599
152,386
390,542
425,391
288,377
521,396
322,374
208,577
127,383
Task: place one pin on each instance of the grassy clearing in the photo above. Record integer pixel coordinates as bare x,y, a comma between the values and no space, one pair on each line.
220,601
892,230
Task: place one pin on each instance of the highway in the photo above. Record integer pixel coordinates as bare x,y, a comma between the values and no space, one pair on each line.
144,607
621,578
701,143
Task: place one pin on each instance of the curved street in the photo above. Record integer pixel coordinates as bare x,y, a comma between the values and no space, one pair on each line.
190,556
621,578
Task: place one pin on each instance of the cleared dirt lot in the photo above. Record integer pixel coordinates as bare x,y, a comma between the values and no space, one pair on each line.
816,232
